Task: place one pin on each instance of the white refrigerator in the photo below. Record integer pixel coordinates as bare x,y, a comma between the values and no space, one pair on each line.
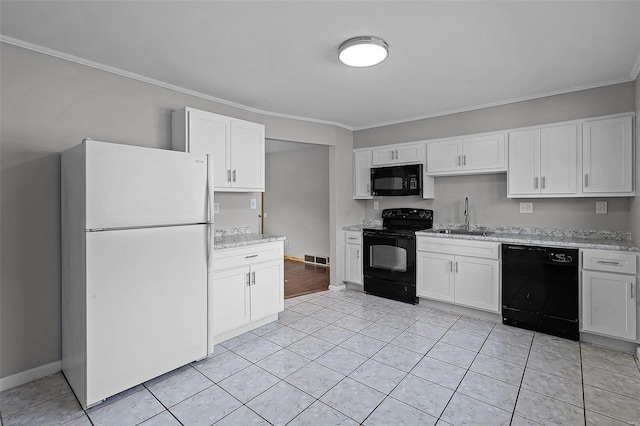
137,243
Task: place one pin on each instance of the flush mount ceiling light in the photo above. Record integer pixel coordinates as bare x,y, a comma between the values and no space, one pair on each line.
363,51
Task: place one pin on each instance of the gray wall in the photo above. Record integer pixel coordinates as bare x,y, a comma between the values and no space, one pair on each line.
49,105
296,200
488,193
235,210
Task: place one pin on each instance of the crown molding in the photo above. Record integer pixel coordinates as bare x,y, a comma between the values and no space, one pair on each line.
149,80
495,104
82,61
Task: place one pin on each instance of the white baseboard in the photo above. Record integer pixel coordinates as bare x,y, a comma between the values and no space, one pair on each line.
29,375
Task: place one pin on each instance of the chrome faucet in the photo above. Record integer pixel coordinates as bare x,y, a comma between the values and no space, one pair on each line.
466,213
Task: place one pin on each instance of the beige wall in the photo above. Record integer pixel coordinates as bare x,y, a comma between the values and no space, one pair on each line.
487,194
49,105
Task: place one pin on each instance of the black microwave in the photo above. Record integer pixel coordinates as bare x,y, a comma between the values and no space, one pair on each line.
397,180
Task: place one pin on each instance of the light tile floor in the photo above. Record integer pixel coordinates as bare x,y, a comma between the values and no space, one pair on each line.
349,358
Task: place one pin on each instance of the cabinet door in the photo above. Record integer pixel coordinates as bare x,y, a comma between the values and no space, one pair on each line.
484,153
524,163
384,156
444,156
607,156
558,160
609,304
247,155
409,153
210,134
435,276
267,289
230,300
352,263
477,283
362,174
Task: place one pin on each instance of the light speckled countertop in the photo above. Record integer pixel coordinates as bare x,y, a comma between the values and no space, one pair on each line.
241,236
603,240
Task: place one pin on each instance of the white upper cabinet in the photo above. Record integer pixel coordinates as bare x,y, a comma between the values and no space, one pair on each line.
607,159
362,173
467,155
543,161
237,146
444,156
485,152
398,154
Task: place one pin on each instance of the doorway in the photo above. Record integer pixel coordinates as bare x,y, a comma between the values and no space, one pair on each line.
296,204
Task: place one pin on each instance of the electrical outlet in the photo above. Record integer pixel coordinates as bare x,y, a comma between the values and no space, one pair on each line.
601,207
254,204
526,207
376,205
216,208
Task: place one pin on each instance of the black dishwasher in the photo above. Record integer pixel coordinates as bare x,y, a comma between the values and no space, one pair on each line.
540,289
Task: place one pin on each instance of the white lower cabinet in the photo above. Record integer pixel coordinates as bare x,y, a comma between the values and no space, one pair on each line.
462,272
231,300
609,299
352,265
247,290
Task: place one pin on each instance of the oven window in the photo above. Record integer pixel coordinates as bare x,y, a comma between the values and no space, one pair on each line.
391,182
390,258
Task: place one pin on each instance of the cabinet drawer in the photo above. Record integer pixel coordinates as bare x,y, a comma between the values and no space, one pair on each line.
242,256
353,237
484,249
609,261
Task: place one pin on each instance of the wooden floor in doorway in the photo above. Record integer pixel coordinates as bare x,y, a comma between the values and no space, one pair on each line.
303,278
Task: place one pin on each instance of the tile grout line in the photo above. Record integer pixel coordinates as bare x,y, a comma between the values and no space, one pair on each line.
522,380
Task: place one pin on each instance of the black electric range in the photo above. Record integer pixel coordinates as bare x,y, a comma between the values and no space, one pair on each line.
389,258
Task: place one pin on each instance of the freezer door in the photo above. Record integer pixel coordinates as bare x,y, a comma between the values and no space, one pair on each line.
146,305
131,186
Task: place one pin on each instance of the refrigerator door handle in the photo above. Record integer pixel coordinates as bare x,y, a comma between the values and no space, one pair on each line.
210,188
209,246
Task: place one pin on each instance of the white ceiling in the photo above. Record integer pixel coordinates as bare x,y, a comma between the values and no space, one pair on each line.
280,57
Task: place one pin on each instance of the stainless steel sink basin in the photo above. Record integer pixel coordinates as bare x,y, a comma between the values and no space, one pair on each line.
462,232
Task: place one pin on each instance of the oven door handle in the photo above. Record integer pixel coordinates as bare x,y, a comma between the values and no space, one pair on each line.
387,234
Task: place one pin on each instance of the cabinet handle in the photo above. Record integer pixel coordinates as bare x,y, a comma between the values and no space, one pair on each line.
456,267
357,254
368,189
459,160
253,277
586,180
451,265
543,182
631,288
229,175
234,175
249,257
535,182
609,262
352,238
464,160
248,279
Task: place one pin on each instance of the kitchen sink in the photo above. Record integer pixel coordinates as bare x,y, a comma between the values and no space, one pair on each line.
463,232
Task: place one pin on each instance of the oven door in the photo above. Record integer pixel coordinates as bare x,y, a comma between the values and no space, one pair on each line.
389,257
